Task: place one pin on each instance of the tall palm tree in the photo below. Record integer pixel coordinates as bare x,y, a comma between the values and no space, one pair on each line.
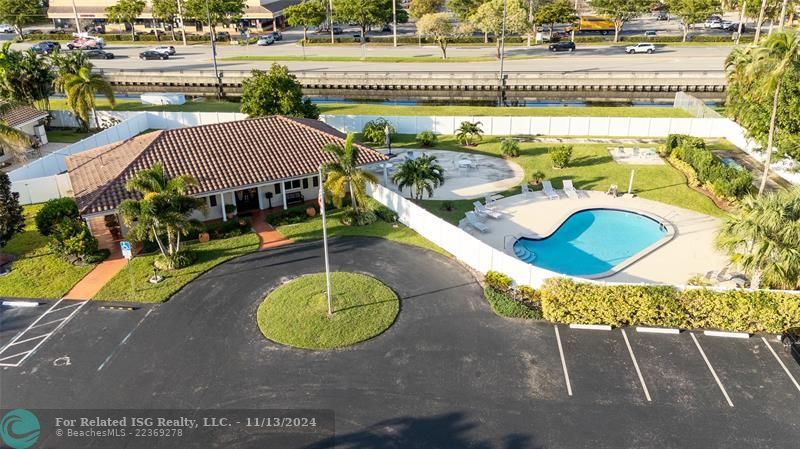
770,63
164,209
81,89
344,174
66,64
763,238
420,175
10,137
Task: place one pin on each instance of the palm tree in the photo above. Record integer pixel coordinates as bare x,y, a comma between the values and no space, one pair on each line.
763,238
67,64
421,175
164,209
10,137
344,174
469,132
81,89
769,64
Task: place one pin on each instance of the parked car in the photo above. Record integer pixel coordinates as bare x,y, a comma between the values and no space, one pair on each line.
150,54
265,40
6,28
662,15
168,49
220,36
98,54
45,47
641,47
650,33
734,26
791,339
277,35
562,46
713,22
88,42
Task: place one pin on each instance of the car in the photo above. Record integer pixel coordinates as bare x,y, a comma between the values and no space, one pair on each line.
98,54
6,28
277,35
650,33
150,54
641,47
265,40
168,49
791,341
45,47
662,15
87,42
562,46
337,30
733,27
713,22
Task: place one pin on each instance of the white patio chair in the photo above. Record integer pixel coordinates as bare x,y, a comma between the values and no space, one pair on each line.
569,189
484,211
549,191
475,222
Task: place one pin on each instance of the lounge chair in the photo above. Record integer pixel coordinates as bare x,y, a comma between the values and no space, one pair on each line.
549,191
475,222
484,211
525,189
569,189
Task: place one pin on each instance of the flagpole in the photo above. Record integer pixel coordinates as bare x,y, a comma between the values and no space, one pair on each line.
321,199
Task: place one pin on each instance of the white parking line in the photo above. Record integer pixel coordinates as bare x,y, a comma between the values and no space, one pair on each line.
563,362
636,365
711,368
783,365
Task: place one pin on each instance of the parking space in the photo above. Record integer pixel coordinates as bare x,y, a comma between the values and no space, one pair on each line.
28,340
14,319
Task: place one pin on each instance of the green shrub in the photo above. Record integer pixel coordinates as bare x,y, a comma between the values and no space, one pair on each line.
691,175
222,230
385,214
181,259
71,239
427,138
374,131
54,212
560,155
566,301
509,147
537,176
726,182
506,306
292,215
497,281
360,217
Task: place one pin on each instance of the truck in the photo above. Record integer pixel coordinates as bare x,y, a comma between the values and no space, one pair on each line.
593,24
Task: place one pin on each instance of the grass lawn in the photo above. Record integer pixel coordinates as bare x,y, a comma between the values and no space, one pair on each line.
133,104
387,59
312,230
296,313
209,255
592,168
66,135
38,273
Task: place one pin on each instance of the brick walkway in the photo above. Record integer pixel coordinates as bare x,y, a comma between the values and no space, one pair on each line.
269,237
87,287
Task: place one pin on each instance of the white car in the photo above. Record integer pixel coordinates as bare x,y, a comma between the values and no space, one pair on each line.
6,28
168,49
641,47
266,40
713,22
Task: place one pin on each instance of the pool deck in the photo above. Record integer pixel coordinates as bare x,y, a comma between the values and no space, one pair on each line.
690,252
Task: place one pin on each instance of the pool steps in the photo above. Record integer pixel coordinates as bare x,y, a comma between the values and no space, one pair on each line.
524,254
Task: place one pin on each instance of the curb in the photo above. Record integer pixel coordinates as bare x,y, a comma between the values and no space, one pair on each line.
658,330
118,308
742,335
20,304
596,327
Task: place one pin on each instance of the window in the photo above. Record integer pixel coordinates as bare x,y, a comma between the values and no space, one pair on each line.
305,183
212,201
315,181
277,188
293,184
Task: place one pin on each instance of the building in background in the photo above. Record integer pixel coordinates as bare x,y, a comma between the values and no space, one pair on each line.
28,120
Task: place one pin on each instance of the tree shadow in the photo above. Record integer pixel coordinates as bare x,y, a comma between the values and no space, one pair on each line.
448,431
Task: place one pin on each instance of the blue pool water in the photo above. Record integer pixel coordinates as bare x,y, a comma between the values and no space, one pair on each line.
591,242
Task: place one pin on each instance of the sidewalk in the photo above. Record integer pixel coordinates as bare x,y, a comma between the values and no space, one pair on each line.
87,287
267,235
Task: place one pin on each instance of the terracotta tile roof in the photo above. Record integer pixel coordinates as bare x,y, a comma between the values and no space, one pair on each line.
222,156
21,115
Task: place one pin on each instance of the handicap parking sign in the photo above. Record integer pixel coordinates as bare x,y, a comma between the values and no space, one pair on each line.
125,246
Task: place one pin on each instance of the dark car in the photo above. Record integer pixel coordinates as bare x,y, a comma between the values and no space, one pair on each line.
277,35
45,47
734,27
149,54
98,54
562,46
791,341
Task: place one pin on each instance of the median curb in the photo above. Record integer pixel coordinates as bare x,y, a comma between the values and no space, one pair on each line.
658,330
741,335
596,327
20,304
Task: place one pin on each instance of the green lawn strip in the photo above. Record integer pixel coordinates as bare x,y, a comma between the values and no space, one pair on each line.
386,59
296,313
134,104
208,254
592,168
312,230
38,273
65,135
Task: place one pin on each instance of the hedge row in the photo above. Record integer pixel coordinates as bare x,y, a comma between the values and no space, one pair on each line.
509,301
118,37
566,301
349,38
724,181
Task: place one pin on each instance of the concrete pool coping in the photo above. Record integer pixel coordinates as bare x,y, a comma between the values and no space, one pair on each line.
668,226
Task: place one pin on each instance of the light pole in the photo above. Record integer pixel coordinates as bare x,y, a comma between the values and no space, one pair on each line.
759,22
77,19
180,17
214,52
330,24
394,20
741,21
502,99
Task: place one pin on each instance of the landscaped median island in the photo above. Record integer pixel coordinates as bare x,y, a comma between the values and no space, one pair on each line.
296,313
563,300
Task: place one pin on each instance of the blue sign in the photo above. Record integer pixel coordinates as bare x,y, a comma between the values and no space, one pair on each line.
125,246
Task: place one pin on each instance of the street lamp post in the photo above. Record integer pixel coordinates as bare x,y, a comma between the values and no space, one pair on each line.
180,17
394,20
214,52
330,23
502,99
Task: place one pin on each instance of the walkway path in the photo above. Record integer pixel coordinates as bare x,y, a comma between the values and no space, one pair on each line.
87,287
267,235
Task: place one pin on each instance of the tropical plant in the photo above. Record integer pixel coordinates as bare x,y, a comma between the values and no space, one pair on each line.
439,28
307,14
126,11
220,11
762,237
489,19
374,131
767,66
25,78
560,155
12,220
419,8
621,11
537,176
82,89
420,175
463,9
11,138
509,147
20,13
163,212
54,212
344,175
275,92
72,239
427,138
66,64
469,133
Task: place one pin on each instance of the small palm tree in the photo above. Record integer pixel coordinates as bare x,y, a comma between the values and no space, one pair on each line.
10,137
469,133
164,209
81,89
344,174
763,238
421,175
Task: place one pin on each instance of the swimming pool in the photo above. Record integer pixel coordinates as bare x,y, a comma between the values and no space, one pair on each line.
591,242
